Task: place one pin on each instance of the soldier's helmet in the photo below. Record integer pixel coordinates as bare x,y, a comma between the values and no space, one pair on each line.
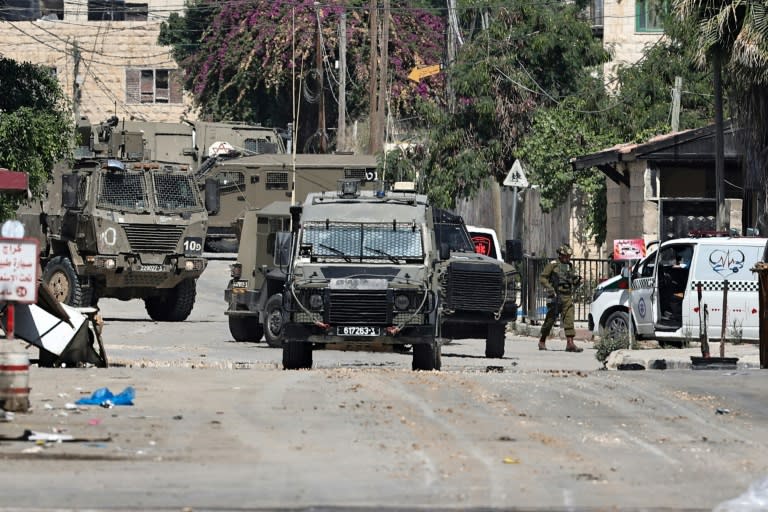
565,250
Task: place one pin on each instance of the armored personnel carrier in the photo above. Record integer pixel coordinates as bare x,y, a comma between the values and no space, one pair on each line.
254,294
361,272
478,293
114,225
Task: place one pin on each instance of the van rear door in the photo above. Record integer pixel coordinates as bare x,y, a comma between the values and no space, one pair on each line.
716,263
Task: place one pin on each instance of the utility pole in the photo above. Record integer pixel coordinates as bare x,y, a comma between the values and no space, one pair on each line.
676,93
451,41
373,73
341,130
322,146
76,93
381,106
722,218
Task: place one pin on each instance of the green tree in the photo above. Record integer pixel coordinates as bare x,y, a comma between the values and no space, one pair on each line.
519,57
36,126
736,33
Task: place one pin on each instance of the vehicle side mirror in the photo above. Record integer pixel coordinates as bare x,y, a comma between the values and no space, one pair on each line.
514,250
445,251
212,196
295,217
70,185
282,248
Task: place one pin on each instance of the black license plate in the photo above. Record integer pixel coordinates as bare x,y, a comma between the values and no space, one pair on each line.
357,330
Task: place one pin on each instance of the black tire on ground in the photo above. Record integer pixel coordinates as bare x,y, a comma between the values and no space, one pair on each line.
172,305
617,325
274,319
245,328
297,355
494,341
61,278
427,357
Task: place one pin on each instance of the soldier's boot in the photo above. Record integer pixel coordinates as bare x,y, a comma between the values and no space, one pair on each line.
570,346
543,343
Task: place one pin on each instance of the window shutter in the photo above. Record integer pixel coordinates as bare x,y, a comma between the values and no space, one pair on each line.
132,90
177,86
147,85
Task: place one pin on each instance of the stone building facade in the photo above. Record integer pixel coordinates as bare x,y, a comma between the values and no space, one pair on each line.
105,54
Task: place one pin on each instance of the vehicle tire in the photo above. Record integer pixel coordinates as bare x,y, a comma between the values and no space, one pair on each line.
274,319
172,305
61,278
494,341
427,357
297,355
617,325
245,328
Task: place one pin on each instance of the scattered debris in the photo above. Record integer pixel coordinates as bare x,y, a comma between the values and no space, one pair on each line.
105,398
510,460
721,410
498,369
53,437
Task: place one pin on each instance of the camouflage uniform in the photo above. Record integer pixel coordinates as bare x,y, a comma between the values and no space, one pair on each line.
560,279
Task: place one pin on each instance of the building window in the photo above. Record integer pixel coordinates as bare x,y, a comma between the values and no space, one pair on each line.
650,15
153,86
116,10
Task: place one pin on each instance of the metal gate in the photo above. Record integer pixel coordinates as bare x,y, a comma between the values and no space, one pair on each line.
533,300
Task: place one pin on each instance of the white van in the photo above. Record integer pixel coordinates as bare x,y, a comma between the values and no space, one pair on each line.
664,291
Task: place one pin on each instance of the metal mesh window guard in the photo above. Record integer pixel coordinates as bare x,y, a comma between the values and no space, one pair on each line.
364,241
123,191
175,192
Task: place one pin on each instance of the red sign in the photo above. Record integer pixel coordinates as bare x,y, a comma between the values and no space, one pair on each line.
630,249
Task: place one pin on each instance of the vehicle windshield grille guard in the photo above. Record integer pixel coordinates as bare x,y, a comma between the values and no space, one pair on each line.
355,241
123,191
175,192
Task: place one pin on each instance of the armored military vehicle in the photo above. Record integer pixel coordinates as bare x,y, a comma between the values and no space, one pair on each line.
478,293
254,294
253,182
114,225
196,142
360,272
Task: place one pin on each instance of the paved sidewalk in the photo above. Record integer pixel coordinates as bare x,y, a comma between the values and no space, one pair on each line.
650,356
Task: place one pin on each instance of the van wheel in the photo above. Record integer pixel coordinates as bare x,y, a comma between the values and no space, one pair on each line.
494,342
617,325
273,321
245,328
62,280
427,356
297,355
172,305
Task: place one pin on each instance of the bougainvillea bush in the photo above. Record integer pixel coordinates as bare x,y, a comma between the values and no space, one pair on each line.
242,57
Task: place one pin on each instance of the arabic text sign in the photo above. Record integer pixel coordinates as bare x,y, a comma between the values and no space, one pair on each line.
630,249
18,270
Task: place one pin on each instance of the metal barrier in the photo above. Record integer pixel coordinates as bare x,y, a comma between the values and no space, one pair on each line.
533,300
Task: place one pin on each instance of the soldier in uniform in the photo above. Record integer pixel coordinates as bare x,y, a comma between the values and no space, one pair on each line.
560,280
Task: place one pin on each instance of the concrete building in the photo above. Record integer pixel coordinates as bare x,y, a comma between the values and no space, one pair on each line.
104,52
628,27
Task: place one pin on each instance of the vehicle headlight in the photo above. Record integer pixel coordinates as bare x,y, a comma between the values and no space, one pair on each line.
402,302
109,263
316,301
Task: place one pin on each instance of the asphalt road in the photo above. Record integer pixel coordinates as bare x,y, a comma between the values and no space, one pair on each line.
217,425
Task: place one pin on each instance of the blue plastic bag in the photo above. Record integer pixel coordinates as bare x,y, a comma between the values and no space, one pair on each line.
105,398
